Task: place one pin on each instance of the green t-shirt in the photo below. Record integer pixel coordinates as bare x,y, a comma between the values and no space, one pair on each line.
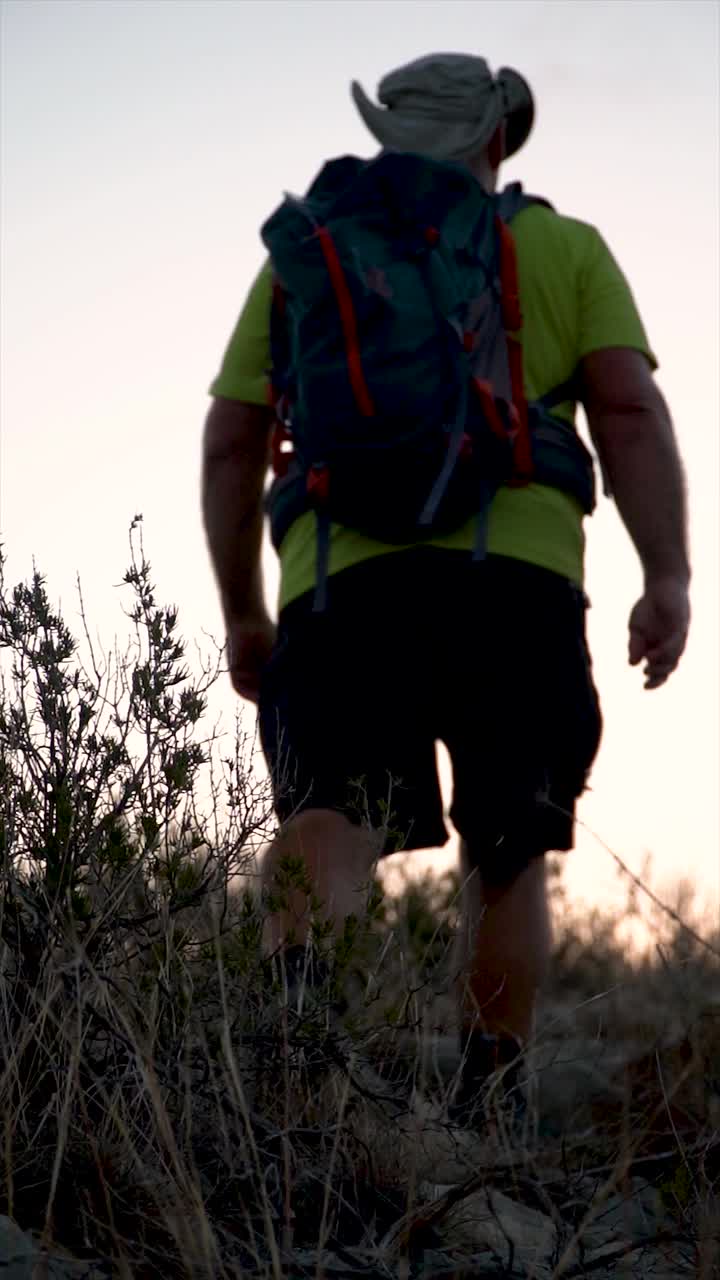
575,299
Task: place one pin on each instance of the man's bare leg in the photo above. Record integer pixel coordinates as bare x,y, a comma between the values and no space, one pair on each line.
503,950
339,858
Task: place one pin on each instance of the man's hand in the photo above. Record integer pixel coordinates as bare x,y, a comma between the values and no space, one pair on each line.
249,645
659,626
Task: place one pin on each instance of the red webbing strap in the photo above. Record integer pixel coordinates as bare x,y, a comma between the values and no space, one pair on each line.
347,319
522,452
512,323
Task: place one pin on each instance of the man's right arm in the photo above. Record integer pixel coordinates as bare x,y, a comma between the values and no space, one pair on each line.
632,431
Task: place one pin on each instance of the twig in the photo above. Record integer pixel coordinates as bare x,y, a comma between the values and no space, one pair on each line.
639,1165
676,1135
608,1257
322,1233
430,1215
639,883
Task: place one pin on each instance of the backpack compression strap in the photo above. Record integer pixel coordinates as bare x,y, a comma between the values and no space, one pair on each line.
512,324
348,321
508,203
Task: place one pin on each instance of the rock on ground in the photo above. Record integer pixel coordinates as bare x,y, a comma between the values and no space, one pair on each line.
21,1258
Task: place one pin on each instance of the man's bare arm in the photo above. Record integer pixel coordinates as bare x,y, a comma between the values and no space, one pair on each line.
631,427
235,460
632,431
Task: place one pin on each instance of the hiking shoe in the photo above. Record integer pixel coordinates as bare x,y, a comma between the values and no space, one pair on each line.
300,1023
309,981
320,1037
489,1095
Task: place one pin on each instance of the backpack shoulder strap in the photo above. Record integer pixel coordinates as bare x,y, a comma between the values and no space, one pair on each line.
334,177
512,200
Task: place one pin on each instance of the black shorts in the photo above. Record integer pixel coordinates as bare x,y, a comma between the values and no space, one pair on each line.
421,645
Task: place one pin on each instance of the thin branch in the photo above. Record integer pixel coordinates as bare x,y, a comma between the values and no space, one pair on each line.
639,884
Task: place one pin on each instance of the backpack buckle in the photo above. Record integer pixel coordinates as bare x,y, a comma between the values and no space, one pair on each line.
318,483
281,456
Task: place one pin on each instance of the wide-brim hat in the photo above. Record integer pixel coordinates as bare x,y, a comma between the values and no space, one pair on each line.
448,105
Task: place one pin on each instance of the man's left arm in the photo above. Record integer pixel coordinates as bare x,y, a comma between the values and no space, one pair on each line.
236,455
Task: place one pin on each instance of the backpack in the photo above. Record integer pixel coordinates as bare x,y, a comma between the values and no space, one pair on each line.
396,373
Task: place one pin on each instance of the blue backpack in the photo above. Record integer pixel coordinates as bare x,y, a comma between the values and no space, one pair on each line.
396,362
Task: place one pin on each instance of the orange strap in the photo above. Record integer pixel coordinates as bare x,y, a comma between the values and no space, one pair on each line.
512,323
522,453
347,319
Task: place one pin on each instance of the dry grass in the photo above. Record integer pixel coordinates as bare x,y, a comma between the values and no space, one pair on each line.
170,1107
199,1125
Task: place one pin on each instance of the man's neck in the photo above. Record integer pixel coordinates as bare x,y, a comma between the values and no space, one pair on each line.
484,174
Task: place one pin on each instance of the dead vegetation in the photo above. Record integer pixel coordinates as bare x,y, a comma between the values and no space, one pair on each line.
172,1107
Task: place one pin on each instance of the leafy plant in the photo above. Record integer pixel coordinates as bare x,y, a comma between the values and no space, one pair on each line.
169,1099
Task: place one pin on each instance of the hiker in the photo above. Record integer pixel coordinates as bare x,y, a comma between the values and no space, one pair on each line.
432,570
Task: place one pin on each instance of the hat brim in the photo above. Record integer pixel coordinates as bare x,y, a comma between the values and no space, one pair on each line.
397,132
442,139
519,109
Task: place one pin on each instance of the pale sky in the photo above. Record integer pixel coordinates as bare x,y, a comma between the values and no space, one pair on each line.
143,143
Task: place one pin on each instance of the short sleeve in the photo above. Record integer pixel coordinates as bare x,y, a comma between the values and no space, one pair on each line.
244,370
608,314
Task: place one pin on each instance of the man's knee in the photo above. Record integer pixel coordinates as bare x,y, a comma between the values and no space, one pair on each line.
321,835
494,871
318,861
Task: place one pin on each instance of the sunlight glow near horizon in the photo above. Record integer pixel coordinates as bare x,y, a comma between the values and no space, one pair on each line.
142,146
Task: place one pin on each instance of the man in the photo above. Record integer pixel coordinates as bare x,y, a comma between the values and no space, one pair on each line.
419,643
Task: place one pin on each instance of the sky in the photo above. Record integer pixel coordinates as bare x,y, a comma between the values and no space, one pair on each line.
142,144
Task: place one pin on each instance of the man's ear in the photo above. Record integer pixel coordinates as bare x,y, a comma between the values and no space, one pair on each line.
496,147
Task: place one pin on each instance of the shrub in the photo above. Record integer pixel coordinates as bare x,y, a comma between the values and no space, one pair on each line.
166,1100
